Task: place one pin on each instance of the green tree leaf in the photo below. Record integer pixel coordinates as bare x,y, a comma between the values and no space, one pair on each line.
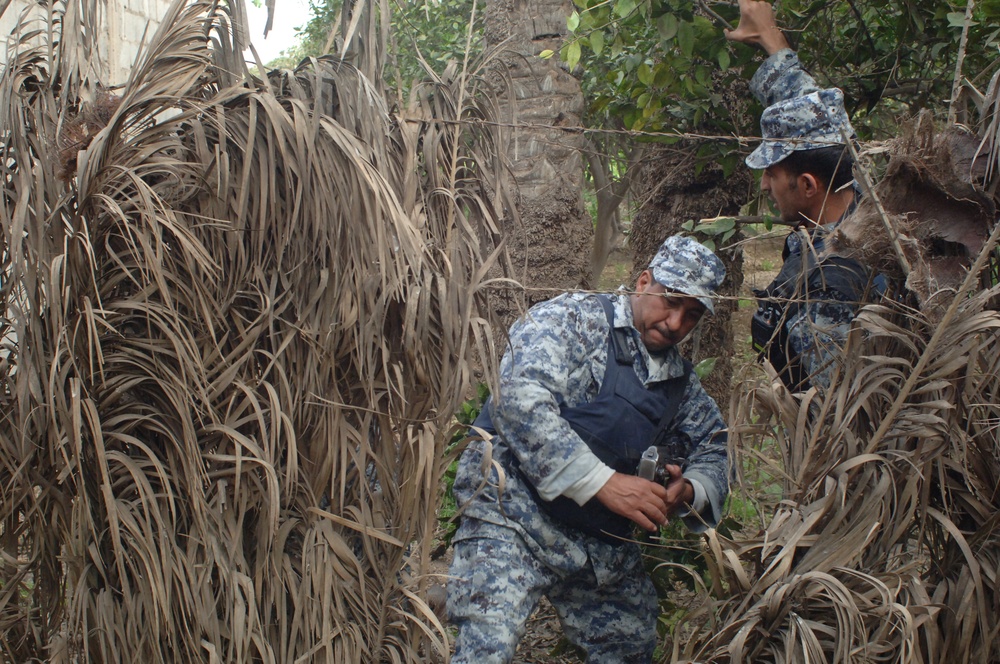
597,42
571,54
706,366
666,25
724,59
957,20
645,74
573,21
685,38
624,8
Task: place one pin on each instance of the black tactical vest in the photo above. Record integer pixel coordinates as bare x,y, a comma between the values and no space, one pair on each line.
618,426
802,277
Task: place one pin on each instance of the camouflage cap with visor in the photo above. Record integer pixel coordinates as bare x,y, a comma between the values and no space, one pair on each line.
686,266
815,120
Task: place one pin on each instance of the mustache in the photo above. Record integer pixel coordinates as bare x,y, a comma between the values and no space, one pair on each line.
669,335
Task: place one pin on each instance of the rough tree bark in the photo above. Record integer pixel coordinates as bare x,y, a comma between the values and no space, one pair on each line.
551,248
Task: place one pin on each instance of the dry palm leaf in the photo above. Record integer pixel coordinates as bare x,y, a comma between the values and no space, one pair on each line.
238,316
885,545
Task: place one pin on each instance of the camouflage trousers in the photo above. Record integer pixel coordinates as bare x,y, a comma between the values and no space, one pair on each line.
495,584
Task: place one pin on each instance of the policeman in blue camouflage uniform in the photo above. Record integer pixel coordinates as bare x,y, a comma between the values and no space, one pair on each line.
551,503
804,315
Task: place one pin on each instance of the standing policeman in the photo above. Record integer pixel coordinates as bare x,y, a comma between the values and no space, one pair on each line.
551,503
804,315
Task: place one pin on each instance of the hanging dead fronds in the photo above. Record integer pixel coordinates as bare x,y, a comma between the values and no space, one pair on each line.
885,545
941,216
238,315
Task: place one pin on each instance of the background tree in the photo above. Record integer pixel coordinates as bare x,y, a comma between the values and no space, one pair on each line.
546,155
548,230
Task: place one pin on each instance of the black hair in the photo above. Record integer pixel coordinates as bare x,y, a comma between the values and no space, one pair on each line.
833,166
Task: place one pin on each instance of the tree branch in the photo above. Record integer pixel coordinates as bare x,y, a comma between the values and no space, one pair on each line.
956,85
610,195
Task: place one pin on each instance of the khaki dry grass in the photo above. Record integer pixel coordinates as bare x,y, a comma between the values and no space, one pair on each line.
238,315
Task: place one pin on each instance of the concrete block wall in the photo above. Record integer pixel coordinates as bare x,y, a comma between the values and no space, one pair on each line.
126,20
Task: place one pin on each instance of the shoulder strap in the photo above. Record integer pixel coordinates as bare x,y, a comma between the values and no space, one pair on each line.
675,392
622,355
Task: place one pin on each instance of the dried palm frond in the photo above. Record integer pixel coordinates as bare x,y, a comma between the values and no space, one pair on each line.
989,147
238,316
885,546
940,218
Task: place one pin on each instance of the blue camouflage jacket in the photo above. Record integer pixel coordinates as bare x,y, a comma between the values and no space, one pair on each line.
816,331
557,356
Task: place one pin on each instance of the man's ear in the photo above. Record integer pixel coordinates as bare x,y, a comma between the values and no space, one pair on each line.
644,280
810,185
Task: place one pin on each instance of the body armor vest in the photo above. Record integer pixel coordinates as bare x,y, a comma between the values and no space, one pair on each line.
617,426
801,278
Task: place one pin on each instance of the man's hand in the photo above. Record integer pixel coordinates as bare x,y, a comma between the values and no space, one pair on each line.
680,492
646,503
758,27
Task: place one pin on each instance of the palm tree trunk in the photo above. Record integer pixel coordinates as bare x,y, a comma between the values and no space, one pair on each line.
550,248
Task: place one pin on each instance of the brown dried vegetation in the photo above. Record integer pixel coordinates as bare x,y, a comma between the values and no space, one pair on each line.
237,315
885,545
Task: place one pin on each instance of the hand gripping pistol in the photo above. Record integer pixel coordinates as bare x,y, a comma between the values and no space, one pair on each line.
654,462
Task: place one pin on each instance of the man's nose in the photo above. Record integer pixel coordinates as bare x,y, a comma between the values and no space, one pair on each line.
674,319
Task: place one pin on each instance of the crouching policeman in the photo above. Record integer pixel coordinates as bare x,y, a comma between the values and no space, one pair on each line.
587,383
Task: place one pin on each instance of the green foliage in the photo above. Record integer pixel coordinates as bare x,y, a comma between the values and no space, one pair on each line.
664,66
705,367
658,67
713,233
466,415
892,56
647,93
470,409
438,30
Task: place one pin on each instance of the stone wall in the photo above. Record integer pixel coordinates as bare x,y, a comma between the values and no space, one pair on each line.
127,20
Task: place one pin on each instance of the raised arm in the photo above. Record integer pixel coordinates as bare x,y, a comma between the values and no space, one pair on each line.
757,27
781,76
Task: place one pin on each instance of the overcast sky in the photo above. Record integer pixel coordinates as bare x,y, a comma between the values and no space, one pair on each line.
288,15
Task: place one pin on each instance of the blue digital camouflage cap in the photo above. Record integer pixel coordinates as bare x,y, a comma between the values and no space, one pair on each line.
815,120
686,266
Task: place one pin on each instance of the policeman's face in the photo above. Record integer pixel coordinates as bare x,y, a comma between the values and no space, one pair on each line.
782,187
662,318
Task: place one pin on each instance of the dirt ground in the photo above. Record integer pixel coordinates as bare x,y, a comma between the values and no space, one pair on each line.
543,642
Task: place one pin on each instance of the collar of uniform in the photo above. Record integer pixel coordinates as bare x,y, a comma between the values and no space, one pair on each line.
659,366
819,232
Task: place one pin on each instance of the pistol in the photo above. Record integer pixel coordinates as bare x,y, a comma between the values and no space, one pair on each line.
654,462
